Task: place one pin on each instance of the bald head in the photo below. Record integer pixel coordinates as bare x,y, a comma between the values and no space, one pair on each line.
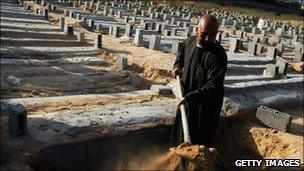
207,29
208,21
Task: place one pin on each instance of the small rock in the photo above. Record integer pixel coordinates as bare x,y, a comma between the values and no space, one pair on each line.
162,89
135,80
14,81
274,131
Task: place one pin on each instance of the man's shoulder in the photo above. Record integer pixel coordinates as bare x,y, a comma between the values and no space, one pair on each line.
219,48
190,40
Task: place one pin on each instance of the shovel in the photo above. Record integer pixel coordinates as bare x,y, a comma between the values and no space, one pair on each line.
183,113
182,149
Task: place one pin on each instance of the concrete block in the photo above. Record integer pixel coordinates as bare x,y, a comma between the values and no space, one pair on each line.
144,25
111,12
42,3
110,30
252,48
78,16
239,34
155,42
115,32
245,38
138,37
71,15
276,39
173,31
175,46
271,71
279,32
254,30
280,49
80,37
260,49
126,19
162,89
122,63
299,56
272,52
283,65
91,24
119,14
263,32
97,41
98,27
232,31
186,33
256,39
66,13
273,118
298,48
128,30
62,22
158,27
46,14
69,30
264,40
17,120
223,22
235,45
167,33
295,39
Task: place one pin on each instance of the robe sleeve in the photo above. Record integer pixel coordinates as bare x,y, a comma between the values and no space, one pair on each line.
215,80
179,62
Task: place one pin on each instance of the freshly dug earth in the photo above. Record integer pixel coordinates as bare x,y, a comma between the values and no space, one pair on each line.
199,155
245,139
50,107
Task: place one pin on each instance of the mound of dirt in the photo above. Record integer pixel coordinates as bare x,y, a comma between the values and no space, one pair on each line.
197,154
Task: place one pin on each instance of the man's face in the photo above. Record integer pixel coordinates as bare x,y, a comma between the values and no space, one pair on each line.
206,33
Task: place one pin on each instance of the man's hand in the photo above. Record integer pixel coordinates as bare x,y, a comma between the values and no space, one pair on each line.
182,102
175,72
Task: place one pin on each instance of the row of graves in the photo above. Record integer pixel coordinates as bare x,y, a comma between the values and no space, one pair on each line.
164,26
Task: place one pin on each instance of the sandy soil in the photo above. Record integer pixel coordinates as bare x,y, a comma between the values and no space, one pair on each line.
200,155
82,104
245,139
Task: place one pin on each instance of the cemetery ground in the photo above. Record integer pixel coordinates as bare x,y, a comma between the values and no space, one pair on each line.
91,84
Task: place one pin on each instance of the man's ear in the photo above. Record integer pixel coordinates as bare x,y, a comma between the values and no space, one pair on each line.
196,31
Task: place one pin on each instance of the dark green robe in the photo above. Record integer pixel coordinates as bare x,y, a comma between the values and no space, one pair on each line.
203,73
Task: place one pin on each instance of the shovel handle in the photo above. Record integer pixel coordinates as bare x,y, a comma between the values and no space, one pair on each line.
183,112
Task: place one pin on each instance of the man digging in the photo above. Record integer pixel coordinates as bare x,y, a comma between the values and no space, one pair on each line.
202,63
